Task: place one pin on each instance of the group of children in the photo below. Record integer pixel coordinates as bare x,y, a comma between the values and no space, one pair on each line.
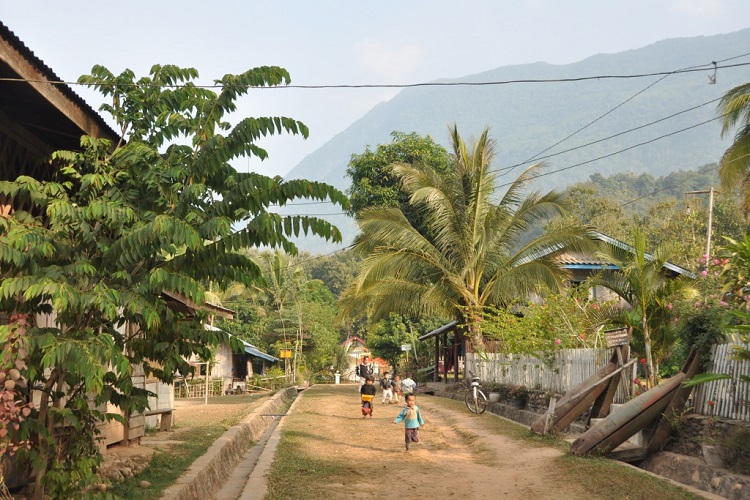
410,414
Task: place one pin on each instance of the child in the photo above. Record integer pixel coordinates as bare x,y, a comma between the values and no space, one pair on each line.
364,370
412,419
397,390
367,393
386,384
408,385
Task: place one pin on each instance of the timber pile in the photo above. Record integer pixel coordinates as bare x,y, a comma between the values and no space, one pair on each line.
651,412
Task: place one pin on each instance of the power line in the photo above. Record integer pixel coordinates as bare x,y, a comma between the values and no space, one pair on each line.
390,85
566,151
580,147
544,174
536,156
611,136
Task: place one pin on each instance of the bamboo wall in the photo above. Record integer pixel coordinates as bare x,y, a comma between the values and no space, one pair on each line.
570,367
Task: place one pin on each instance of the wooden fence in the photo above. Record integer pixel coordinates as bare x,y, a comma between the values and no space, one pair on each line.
567,369
197,390
570,367
730,397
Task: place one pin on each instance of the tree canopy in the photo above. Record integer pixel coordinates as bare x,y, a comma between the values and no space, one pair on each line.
161,212
472,251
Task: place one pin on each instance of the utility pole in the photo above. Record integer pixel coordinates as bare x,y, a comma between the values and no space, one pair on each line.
710,215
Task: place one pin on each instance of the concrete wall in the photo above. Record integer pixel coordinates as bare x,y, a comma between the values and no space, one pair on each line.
209,472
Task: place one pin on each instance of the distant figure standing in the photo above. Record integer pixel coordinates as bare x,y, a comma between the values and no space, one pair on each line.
386,385
411,416
398,391
408,385
364,370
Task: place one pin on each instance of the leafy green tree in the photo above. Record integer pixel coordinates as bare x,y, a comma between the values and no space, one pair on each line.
336,271
734,167
284,280
321,337
473,251
557,321
250,322
122,224
386,337
374,183
601,212
639,278
722,313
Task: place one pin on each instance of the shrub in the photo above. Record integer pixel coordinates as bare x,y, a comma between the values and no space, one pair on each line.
737,450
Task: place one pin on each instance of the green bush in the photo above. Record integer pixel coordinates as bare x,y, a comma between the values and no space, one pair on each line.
737,450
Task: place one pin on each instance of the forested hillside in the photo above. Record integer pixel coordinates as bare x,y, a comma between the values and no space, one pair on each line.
656,124
661,207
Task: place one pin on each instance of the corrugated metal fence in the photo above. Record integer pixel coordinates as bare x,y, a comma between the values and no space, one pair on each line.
570,367
731,397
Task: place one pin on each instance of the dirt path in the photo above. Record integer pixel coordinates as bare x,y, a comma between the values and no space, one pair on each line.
460,456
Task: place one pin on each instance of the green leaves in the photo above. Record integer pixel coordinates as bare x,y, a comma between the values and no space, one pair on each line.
464,249
125,227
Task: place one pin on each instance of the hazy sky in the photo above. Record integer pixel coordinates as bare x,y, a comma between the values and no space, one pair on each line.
345,42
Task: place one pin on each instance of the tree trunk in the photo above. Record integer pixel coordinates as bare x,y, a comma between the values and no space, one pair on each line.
650,377
46,421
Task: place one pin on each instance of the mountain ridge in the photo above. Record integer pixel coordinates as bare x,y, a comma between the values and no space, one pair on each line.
526,118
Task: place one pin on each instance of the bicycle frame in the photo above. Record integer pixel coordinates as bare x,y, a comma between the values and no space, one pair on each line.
475,399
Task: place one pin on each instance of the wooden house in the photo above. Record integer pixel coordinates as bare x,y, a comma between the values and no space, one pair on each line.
235,366
39,114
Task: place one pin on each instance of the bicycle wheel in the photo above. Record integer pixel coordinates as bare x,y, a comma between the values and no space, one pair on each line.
476,403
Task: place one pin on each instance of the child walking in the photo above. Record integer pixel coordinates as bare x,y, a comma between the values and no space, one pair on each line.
367,393
397,390
412,419
386,384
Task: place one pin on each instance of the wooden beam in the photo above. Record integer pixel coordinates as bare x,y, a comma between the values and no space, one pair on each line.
51,92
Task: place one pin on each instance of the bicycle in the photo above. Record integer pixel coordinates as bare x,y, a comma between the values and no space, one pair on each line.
475,399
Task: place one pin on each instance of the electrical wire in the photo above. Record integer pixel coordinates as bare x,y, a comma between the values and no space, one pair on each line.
624,132
390,85
536,156
576,148
544,174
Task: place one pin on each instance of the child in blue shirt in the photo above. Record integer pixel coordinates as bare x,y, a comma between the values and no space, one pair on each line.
412,419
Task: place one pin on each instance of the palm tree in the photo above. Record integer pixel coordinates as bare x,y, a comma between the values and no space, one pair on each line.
639,279
734,167
474,251
284,280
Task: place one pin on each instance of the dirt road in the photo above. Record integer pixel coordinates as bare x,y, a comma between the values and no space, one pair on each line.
333,452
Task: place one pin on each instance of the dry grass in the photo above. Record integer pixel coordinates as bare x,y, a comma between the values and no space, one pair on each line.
197,427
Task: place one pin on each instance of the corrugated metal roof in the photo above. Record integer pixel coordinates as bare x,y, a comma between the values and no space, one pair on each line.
252,350
445,328
568,258
13,40
249,348
572,259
